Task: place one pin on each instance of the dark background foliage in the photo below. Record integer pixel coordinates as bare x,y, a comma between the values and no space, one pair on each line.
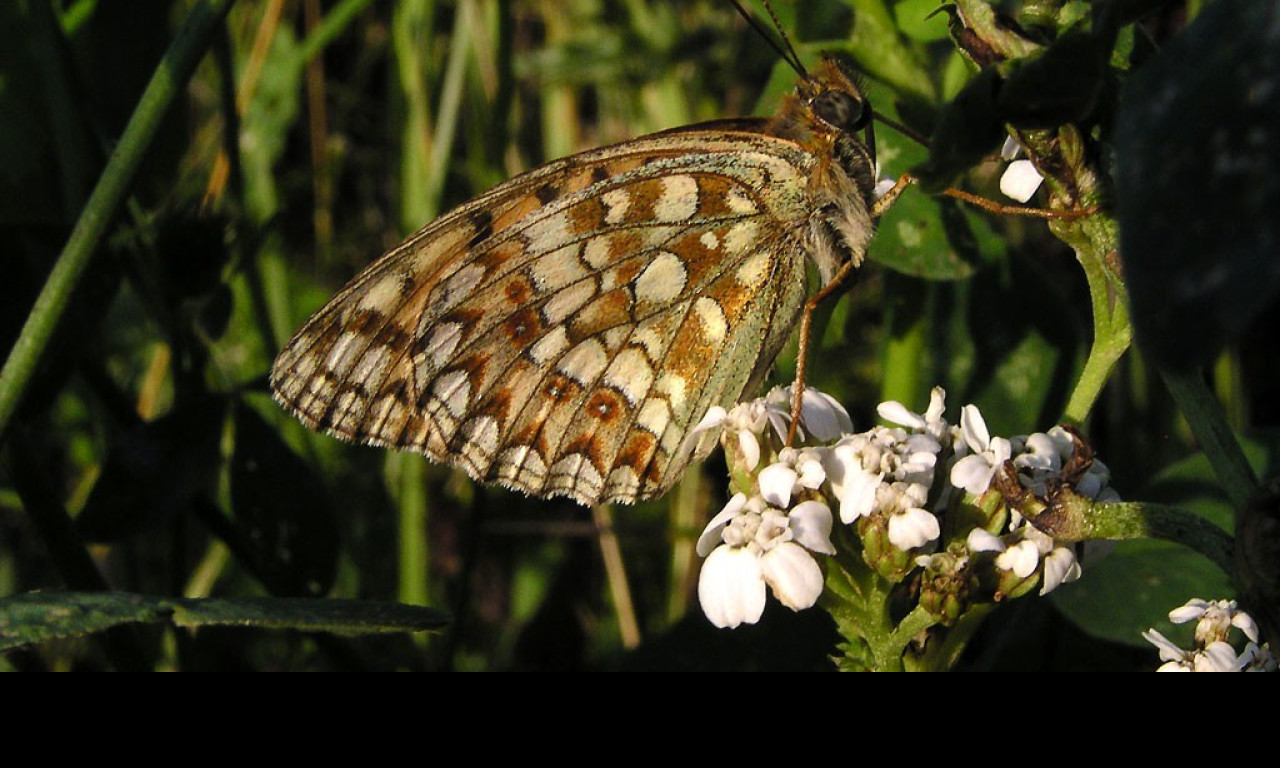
147,457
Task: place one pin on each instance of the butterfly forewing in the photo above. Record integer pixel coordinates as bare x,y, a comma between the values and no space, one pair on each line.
562,333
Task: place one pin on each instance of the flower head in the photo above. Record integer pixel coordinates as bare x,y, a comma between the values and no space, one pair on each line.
752,544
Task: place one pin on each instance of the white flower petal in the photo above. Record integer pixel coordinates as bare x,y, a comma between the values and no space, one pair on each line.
1245,623
1218,657
793,574
1010,149
1168,651
811,526
710,538
777,481
1194,609
731,589
812,474
1020,180
1059,567
714,418
974,428
823,416
980,540
896,413
859,496
972,473
1022,559
750,448
913,528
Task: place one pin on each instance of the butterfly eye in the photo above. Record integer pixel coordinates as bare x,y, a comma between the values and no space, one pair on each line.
840,110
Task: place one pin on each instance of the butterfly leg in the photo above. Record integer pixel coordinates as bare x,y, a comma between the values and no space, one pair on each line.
878,208
802,354
886,201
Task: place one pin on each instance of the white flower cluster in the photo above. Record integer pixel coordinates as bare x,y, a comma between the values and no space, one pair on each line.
766,536
1213,651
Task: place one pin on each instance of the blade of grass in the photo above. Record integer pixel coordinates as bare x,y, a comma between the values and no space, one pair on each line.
171,75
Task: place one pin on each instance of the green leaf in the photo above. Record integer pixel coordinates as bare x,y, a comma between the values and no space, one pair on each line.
917,20
40,616
1061,85
1136,586
968,130
1198,183
921,235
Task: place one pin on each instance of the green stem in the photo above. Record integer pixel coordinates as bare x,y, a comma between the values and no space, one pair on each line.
1089,520
1209,424
1112,332
335,22
406,474
168,80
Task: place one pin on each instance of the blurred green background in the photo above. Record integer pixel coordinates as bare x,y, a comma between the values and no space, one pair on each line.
316,135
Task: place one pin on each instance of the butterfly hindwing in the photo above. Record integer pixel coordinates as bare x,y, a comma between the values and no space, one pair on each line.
562,333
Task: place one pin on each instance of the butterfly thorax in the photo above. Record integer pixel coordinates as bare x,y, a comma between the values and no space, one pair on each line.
825,116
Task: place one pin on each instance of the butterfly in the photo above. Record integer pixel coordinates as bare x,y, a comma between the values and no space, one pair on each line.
563,333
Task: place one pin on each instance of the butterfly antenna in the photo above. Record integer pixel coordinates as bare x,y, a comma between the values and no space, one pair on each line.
784,48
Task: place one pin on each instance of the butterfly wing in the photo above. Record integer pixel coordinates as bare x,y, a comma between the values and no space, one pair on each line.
562,333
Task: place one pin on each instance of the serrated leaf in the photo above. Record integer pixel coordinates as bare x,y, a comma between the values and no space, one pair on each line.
1198,183
37,617
308,614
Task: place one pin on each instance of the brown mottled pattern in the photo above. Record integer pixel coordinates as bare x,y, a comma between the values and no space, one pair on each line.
563,332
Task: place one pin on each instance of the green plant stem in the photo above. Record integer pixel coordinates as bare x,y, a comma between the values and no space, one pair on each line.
170,76
1209,424
335,22
1141,520
1112,332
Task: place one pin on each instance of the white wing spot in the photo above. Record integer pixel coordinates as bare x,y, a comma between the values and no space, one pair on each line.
373,365
482,435
343,354
579,471
709,241
381,295
617,202
679,199
740,203
550,346
443,342
662,280
557,269
673,387
567,301
457,287
741,237
598,252
548,233
623,481
754,270
584,362
453,389
713,320
630,374
654,415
